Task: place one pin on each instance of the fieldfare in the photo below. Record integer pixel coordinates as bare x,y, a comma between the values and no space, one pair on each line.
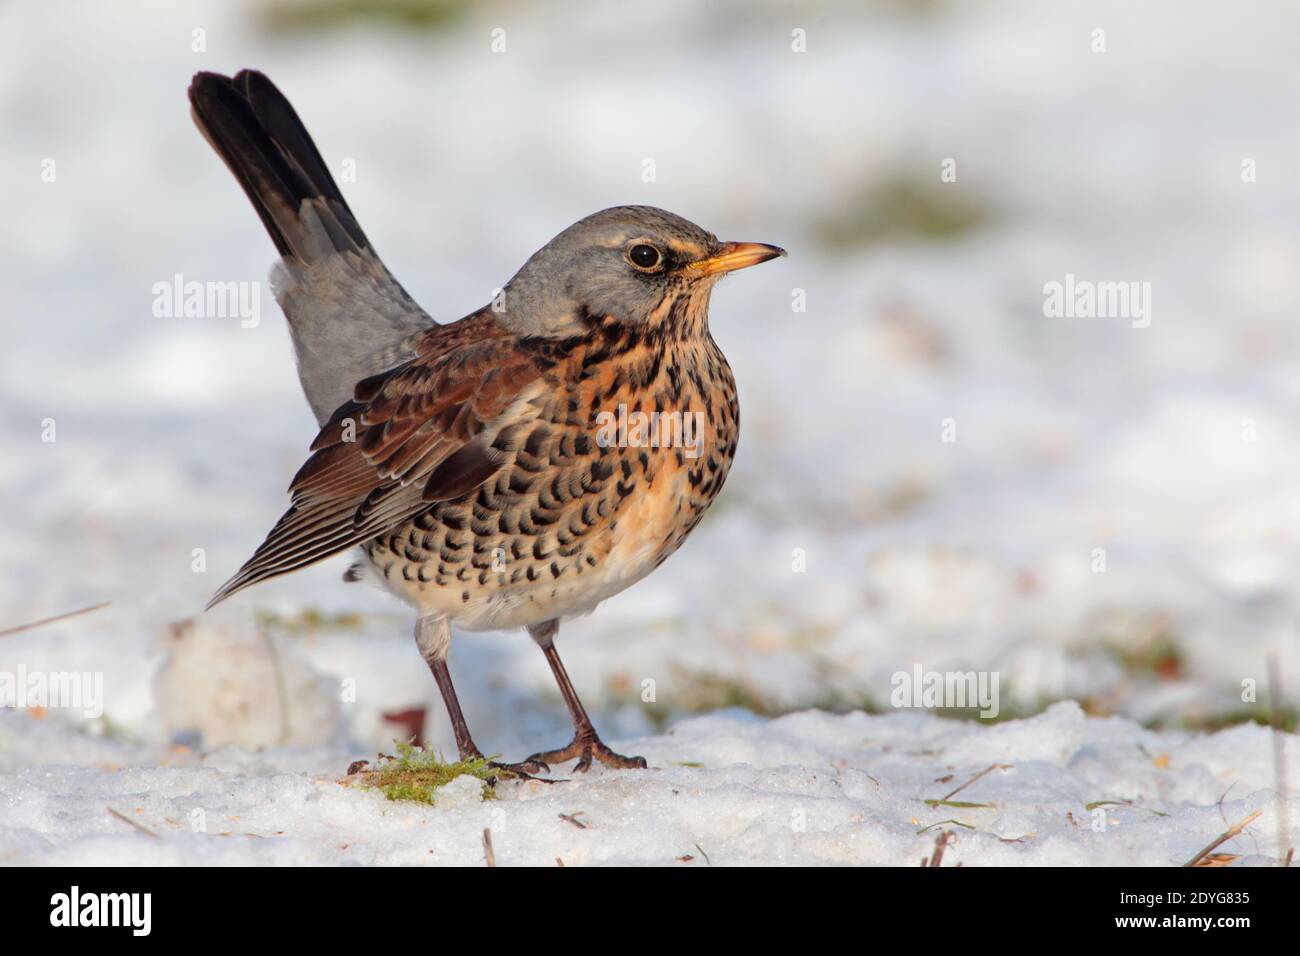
509,469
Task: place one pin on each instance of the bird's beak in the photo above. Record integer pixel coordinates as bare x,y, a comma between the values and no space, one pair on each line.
733,256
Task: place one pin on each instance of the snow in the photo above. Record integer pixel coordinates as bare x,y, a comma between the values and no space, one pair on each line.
852,543
725,789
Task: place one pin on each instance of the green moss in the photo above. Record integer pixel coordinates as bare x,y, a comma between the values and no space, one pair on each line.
1288,719
310,620
906,207
1158,656
702,692
416,774
1143,641
1006,711
298,15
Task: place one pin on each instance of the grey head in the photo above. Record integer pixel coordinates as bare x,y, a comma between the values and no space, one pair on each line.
629,263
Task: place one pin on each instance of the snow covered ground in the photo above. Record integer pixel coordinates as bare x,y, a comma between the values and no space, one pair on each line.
726,789
933,472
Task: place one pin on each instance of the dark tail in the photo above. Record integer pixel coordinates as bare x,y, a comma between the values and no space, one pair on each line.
259,136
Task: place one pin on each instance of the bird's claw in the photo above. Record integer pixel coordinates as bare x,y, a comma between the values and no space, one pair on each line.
587,748
524,770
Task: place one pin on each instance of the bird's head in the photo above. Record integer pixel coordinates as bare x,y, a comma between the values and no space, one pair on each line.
629,264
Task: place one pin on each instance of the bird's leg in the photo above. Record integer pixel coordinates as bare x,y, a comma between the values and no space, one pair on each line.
433,636
585,744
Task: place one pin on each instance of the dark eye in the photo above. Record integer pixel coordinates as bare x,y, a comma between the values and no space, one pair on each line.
644,256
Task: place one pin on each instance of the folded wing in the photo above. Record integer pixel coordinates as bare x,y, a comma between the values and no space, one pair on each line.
432,429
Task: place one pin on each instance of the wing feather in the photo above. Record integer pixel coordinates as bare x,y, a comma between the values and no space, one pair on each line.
432,429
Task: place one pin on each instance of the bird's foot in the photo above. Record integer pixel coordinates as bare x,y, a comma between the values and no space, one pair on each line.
524,770
585,747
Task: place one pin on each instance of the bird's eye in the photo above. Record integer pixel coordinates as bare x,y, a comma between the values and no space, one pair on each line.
644,256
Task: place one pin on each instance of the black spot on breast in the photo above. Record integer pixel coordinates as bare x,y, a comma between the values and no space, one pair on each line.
536,441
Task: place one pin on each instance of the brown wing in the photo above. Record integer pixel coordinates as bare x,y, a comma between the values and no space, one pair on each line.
429,430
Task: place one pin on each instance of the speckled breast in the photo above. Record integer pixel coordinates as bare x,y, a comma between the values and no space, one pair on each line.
631,443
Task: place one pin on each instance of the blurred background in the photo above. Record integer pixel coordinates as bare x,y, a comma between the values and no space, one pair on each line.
932,470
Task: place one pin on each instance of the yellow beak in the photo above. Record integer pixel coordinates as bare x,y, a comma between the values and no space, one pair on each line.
734,255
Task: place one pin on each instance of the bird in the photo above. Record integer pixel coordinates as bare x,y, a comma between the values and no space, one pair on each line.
510,469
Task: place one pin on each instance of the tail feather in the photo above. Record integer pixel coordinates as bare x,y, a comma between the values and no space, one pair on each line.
349,318
257,133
